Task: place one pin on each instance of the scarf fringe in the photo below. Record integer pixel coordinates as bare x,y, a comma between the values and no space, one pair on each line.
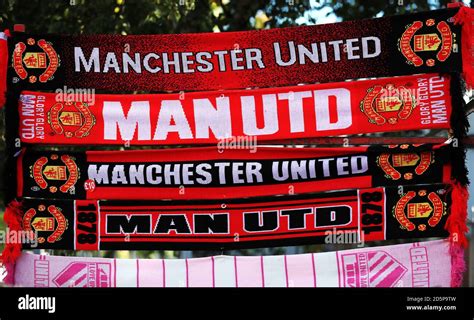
11,252
458,265
460,127
3,66
464,17
456,222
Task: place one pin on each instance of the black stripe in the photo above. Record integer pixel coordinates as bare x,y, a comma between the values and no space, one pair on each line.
277,198
105,209
191,236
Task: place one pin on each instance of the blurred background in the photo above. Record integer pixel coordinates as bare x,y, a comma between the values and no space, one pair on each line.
186,16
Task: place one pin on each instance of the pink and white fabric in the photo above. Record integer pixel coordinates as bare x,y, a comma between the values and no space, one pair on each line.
422,264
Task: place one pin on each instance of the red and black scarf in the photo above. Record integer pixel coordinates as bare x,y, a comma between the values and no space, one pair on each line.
434,41
345,108
210,173
374,214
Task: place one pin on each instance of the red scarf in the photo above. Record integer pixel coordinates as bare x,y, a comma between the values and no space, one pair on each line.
432,41
206,173
346,108
350,216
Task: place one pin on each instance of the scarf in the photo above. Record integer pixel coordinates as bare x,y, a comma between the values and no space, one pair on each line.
419,264
433,41
210,173
351,216
239,116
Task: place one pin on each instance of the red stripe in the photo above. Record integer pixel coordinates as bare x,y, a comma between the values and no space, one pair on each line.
115,272
213,273
76,283
236,273
164,273
138,274
228,192
314,270
381,271
372,266
388,281
75,268
187,273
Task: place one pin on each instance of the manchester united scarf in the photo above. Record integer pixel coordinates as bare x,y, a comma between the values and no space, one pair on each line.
434,41
423,264
208,173
391,104
352,216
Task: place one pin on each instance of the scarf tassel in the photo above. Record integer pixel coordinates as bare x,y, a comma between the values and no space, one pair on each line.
456,223
458,265
11,252
464,17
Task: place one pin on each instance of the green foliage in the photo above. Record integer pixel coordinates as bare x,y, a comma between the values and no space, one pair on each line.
183,16
360,9
147,16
